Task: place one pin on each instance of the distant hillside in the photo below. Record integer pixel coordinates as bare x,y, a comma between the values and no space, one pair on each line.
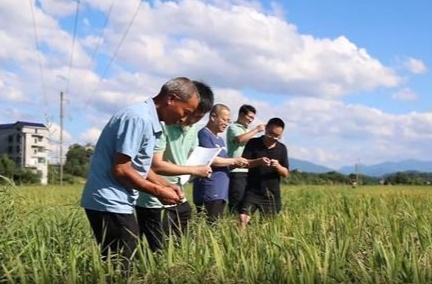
384,168
305,166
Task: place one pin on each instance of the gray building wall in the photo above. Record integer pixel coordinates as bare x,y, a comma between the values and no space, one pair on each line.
27,144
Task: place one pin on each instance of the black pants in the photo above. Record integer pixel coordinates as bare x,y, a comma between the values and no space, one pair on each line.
236,191
116,233
267,204
213,209
157,224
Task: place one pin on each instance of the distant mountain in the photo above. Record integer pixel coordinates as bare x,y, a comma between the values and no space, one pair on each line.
384,168
305,166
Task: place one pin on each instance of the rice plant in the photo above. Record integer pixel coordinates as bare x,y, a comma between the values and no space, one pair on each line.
323,235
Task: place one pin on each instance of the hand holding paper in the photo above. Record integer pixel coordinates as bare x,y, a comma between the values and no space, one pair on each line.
200,156
202,171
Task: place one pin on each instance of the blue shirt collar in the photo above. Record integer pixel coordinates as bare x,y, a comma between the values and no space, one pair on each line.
156,123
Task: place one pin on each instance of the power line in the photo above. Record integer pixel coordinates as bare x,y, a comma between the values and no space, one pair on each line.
72,45
41,70
108,14
115,53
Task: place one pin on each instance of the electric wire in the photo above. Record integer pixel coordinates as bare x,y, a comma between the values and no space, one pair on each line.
99,42
41,69
72,46
103,74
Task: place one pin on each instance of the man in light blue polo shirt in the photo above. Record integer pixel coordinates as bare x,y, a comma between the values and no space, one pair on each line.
120,166
156,220
237,137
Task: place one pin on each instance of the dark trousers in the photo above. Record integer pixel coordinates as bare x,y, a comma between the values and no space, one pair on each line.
157,224
116,234
236,191
266,203
213,210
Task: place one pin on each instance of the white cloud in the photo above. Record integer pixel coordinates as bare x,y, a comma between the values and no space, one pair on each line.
90,136
405,94
416,66
237,47
57,143
54,130
334,133
246,47
59,7
9,87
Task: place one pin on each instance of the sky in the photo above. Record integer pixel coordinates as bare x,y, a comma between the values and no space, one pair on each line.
351,79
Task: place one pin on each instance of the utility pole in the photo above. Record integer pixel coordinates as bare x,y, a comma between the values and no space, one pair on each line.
357,171
61,138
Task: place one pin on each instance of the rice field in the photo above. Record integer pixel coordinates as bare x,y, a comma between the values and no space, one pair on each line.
325,234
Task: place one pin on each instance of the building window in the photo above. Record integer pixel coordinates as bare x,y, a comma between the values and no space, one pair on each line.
10,149
18,138
10,139
41,160
36,130
35,151
36,141
18,149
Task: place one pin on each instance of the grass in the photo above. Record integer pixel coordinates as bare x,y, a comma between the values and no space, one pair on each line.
324,235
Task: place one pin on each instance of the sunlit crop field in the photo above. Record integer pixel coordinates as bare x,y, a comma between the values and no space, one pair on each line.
324,235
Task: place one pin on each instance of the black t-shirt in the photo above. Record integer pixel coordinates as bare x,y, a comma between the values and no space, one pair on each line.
263,178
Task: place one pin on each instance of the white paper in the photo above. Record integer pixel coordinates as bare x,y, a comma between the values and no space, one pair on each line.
200,156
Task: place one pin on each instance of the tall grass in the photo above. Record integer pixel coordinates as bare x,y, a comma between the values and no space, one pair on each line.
323,235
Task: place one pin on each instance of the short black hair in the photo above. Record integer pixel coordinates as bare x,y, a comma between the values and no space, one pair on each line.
245,109
206,97
276,121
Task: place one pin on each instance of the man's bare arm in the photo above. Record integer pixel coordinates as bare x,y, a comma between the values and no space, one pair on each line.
123,171
245,137
163,167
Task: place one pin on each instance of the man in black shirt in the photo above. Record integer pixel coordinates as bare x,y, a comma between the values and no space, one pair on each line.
268,162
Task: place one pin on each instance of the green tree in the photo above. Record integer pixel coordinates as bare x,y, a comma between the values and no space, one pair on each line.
7,166
78,160
334,177
402,178
27,176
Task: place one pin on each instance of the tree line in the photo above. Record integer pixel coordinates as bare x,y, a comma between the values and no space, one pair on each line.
78,158
336,178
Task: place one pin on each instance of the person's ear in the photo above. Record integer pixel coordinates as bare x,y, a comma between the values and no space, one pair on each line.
212,117
170,99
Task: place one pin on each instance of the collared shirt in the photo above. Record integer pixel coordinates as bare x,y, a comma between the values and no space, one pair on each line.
235,149
176,144
133,131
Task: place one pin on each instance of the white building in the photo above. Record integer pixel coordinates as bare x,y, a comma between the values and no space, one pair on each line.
27,144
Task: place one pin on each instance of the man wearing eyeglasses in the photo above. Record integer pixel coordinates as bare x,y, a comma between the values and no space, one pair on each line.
268,163
238,135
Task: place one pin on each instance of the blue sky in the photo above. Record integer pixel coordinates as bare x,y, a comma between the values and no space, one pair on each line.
351,79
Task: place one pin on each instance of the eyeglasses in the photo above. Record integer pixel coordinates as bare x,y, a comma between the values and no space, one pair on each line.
273,136
224,120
